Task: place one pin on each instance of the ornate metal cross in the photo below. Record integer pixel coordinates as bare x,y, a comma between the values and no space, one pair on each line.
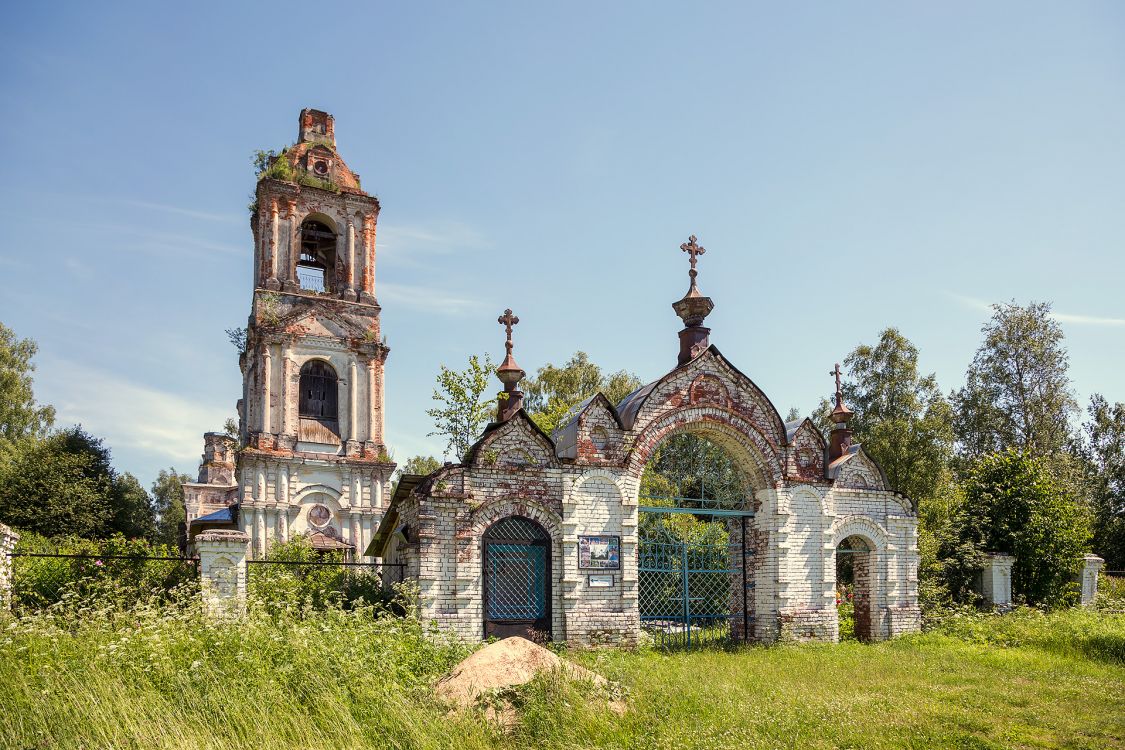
839,390
694,249
508,320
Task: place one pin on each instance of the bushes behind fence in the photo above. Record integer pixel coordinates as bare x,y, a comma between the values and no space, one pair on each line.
295,575
93,571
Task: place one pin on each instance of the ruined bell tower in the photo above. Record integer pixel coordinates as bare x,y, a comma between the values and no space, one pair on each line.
314,460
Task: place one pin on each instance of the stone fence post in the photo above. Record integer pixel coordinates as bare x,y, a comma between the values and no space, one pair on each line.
996,580
1091,566
8,539
222,571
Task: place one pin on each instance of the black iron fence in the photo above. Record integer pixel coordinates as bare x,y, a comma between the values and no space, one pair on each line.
42,579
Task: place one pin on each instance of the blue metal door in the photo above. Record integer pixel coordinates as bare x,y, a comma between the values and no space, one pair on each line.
516,581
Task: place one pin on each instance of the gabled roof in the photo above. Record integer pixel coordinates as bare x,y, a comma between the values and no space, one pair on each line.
833,469
566,434
492,427
632,404
320,540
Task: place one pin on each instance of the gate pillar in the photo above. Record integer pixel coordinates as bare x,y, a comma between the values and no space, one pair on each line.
222,571
8,539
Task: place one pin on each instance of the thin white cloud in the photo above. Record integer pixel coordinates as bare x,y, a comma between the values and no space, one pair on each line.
228,218
1072,318
428,299
130,416
970,302
1087,320
403,240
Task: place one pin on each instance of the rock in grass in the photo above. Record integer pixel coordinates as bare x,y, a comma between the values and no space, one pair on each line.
505,664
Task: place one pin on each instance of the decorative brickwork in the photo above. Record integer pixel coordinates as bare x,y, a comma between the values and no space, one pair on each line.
588,483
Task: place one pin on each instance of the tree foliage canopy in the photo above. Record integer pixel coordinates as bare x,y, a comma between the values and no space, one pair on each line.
168,502
463,411
556,390
1105,455
64,484
1014,505
1017,391
901,417
20,416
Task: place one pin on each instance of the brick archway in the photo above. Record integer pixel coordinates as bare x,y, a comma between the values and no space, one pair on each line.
759,460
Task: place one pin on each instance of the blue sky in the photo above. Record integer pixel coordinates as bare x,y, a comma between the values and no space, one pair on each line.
848,167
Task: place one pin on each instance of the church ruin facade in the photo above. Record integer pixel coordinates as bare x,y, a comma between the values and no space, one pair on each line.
313,460
547,535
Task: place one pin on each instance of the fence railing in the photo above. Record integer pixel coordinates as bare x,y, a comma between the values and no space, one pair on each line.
221,572
40,579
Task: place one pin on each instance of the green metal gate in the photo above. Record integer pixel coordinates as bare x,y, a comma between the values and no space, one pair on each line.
693,563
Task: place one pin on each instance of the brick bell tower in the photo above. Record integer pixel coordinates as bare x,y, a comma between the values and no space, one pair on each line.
314,460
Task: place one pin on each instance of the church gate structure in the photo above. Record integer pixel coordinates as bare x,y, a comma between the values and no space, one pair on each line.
576,492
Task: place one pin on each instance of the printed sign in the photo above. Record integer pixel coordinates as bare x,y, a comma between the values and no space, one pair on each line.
601,581
599,552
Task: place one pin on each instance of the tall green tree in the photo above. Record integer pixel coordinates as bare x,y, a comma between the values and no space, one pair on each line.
132,514
901,417
422,465
463,410
20,415
1014,504
1017,391
1105,453
168,502
61,484
555,390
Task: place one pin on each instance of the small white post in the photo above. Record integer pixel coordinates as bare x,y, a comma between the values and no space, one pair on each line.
222,571
8,539
1091,566
996,583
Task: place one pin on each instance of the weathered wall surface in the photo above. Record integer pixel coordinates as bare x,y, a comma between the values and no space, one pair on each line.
801,516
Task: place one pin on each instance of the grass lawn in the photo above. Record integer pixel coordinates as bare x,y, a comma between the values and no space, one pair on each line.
154,678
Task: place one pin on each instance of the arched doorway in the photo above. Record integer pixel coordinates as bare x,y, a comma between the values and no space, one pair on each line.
855,587
695,532
517,579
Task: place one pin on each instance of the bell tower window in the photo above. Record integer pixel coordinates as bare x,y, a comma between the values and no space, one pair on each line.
318,407
318,257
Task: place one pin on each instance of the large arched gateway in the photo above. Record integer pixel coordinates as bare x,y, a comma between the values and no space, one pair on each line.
612,562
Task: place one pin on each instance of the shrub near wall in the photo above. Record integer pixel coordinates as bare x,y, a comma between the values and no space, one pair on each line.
1013,505
294,575
97,572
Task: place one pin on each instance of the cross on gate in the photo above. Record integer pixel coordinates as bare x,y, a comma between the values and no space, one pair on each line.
693,249
508,320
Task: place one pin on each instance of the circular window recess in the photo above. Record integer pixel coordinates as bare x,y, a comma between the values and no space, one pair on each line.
319,516
320,167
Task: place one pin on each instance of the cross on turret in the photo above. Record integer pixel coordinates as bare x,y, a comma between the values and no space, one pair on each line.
508,320
839,388
694,250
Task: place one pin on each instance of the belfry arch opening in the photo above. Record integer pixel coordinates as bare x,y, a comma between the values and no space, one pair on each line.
695,541
317,261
